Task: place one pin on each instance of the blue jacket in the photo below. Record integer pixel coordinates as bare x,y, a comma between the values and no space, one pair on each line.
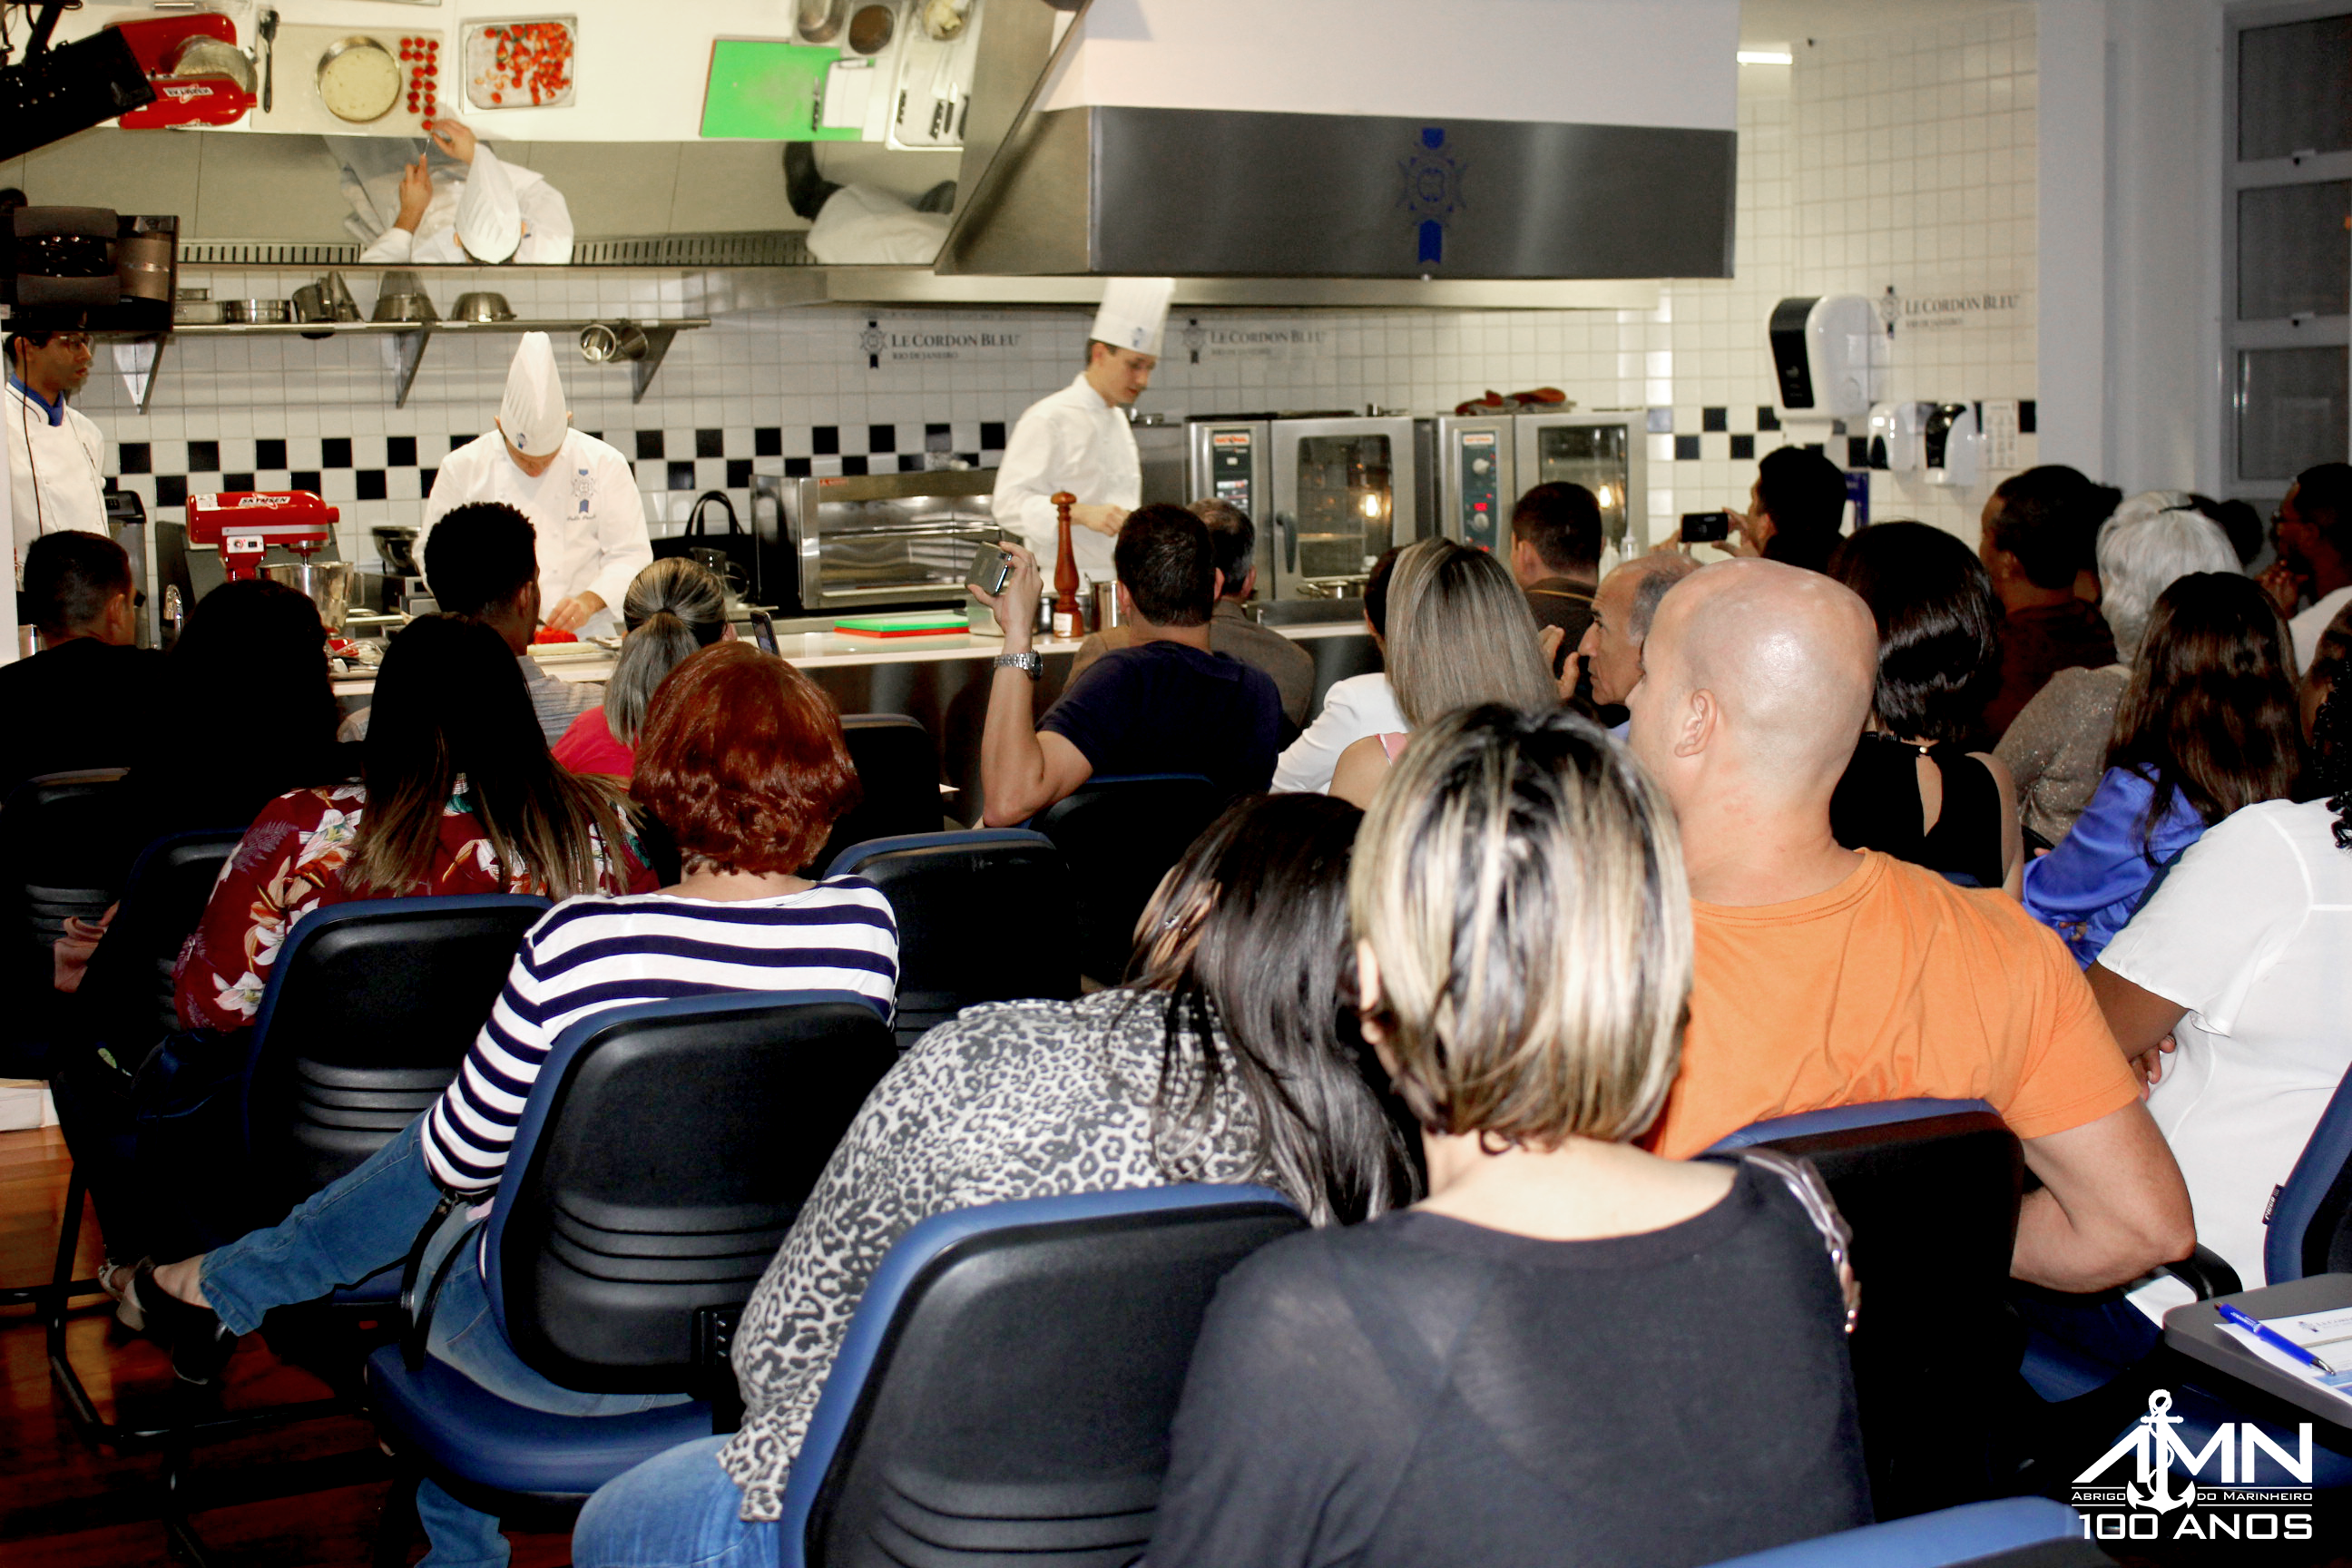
2088,887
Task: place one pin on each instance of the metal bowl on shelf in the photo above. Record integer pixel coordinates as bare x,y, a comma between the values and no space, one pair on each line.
481,307
326,584
417,307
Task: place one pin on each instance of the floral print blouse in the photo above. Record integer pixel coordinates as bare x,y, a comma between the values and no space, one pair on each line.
291,861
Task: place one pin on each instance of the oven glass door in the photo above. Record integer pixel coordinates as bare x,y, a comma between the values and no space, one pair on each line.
1346,511
1596,457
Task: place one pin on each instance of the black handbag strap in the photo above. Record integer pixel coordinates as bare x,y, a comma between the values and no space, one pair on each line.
694,518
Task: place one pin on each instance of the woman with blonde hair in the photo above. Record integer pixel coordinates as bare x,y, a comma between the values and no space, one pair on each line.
675,608
1548,1330
1460,634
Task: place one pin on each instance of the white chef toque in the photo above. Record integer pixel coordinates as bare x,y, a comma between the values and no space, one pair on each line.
489,219
531,414
1134,310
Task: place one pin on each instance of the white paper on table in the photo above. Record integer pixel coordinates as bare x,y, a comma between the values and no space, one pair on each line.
2327,1335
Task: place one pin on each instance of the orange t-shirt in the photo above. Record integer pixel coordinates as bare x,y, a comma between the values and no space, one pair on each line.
1894,984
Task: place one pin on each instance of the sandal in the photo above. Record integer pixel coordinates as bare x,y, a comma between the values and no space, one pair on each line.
114,1278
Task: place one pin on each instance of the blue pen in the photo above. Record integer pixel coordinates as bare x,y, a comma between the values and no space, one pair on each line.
2271,1337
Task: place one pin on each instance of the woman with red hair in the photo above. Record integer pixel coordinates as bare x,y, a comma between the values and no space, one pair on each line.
741,758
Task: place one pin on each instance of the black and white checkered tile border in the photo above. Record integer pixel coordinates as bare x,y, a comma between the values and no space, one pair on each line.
401,468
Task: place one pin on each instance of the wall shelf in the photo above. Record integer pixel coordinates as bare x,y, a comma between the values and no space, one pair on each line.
409,340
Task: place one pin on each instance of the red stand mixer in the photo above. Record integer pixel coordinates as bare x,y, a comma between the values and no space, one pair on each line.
244,524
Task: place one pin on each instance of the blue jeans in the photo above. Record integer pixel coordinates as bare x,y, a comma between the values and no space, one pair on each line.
357,1225
677,1509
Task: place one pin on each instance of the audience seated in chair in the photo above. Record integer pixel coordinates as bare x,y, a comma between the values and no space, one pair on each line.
1826,976
90,698
481,562
742,761
1607,661
1913,788
457,795
2312,531
2057,748
1461,634
2038,531
1509,1371
1222,1063
1167,704
1234,541
1353,708
2229,990
2206,728
673,609
257,644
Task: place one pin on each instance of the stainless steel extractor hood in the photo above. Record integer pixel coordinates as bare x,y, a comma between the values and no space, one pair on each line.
1224,188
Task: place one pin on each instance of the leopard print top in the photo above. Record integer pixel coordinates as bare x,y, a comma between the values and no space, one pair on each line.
1019,1099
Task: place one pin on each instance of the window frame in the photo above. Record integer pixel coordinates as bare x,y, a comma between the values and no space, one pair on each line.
2313,331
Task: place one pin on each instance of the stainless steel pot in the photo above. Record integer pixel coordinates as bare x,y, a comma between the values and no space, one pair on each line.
254,312
326,584
199,313
481,307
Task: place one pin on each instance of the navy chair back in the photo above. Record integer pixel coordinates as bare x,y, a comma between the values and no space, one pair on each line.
1120,836
125,999
1005,1390
46,828
898,767
665,1150
2311,1218
370,1009
954,895
1931,1189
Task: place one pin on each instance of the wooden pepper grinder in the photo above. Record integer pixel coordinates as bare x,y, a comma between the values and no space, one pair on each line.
1069,612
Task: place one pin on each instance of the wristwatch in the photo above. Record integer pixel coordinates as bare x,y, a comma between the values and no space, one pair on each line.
1028,661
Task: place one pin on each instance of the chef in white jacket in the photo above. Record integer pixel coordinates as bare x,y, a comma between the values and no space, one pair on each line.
484,209
1077,440
55,454
577,491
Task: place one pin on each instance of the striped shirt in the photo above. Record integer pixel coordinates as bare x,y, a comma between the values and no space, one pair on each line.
590,954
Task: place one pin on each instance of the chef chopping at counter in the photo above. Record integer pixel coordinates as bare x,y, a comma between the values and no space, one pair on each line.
577,491
1077,440
55,454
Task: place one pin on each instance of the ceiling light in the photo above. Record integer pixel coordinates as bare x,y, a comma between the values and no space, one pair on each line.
1765,58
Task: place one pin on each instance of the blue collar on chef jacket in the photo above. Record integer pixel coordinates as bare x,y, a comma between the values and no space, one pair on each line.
55,411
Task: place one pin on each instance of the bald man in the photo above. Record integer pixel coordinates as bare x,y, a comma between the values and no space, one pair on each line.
1830,976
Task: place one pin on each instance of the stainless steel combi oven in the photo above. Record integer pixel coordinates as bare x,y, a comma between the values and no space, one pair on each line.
1486,462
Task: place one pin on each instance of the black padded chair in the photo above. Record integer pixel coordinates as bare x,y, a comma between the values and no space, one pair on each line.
1005,1390
370,1008
898,767
952,894
45,880
1119,836
125,1004
665,1150
1931,1189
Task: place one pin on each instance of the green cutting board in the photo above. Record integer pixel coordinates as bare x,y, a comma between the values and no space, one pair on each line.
761,89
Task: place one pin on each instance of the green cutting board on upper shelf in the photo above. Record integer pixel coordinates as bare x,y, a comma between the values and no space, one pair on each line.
760,90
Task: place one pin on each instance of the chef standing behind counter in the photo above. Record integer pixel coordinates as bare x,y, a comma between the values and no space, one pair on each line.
1077,440
54,453
578,493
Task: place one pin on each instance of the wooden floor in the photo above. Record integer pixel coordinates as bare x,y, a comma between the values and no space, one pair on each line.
305,1492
